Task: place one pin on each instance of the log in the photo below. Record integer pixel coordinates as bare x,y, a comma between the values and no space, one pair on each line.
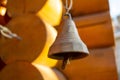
92,19
33,38
98,36
22,70
85,7
20,7
41,40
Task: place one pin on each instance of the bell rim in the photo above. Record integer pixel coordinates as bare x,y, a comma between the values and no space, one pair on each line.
71,55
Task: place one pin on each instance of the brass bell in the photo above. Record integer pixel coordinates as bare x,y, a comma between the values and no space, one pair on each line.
68,44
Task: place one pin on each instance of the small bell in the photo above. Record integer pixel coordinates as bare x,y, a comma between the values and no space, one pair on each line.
68,45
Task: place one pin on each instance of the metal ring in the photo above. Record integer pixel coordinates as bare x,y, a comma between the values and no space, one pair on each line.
68,14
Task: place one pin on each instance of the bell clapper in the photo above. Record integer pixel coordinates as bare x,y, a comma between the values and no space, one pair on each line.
66,60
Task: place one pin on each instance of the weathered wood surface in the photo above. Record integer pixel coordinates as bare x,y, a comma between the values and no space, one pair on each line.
33,39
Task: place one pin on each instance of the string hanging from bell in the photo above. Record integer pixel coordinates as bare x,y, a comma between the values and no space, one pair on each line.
68,6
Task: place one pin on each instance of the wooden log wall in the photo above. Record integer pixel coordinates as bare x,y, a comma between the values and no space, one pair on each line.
33,21
23,25
96,30
19,59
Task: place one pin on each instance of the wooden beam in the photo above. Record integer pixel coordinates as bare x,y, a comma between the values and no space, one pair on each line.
96,30
98,36
92,19
85,7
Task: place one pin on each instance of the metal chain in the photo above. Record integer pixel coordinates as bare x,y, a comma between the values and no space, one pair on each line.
7,33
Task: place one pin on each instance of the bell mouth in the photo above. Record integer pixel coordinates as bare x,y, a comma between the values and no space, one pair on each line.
70,55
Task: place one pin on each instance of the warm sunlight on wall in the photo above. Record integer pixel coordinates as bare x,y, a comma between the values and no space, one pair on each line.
51,12
43,58
47,73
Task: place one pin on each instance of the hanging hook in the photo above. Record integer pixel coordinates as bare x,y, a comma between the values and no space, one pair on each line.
68,8
7,33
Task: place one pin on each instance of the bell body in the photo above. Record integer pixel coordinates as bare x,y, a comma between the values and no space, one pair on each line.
68,43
